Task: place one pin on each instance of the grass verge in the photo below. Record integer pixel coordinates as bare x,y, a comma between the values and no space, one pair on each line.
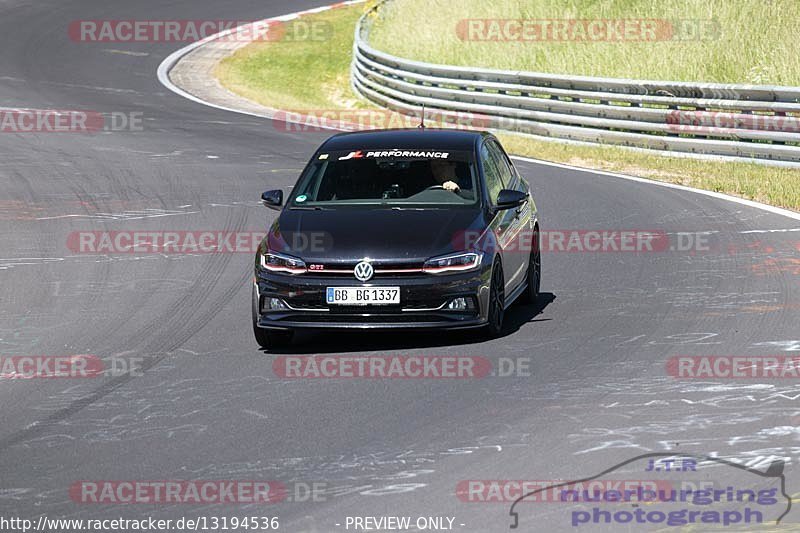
300,74
314,75
726,41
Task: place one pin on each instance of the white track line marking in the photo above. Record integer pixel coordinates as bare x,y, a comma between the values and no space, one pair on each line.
750,203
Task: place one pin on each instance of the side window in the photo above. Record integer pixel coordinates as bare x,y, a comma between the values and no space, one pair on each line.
503,165
491,174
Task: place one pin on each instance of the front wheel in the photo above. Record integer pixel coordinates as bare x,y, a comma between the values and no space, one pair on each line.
531,294
497,301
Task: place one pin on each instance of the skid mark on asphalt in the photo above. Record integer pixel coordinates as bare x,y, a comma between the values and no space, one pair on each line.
9,263
13,493
786,346
130,215
126,52
772,266
79,289
23,333
91,87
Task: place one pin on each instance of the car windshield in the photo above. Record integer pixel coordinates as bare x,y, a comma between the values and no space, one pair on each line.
423,178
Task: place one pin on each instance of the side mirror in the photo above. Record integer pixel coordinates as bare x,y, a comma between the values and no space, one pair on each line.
272,199
508,199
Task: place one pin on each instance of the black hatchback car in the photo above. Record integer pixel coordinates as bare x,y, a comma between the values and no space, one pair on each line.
398,229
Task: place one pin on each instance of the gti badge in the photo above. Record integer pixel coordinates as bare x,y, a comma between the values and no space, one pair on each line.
363,271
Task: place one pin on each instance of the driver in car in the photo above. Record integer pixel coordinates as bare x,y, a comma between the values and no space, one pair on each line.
444,172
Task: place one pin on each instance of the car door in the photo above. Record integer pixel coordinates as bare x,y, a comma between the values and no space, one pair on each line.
502,221
528,214
517,220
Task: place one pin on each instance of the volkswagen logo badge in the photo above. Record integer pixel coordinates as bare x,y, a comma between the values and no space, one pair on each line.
363,271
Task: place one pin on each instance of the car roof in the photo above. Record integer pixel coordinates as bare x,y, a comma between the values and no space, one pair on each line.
422,138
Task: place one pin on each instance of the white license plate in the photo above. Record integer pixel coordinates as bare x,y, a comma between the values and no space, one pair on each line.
363,295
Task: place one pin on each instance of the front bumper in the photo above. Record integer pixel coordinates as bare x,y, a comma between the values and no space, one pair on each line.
423,299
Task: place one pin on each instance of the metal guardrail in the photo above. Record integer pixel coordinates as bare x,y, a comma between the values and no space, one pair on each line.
758,122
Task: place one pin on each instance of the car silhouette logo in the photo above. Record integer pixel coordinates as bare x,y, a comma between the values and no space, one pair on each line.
363,271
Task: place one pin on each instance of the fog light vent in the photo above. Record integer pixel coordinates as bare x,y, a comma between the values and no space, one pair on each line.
276,304
457,304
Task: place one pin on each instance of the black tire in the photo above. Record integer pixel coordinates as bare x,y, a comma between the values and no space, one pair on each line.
268,338
534,275
497,300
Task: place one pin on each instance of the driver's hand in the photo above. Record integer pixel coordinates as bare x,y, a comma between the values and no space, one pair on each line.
451,186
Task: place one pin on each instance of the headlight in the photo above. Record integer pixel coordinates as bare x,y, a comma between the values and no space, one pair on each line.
282,263
453,263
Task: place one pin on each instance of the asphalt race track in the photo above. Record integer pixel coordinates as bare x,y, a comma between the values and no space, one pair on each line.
205,403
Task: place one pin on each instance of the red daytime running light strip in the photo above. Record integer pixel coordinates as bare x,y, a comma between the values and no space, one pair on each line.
273,268
456,268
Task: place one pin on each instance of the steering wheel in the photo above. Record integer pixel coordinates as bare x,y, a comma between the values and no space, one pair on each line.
434,187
